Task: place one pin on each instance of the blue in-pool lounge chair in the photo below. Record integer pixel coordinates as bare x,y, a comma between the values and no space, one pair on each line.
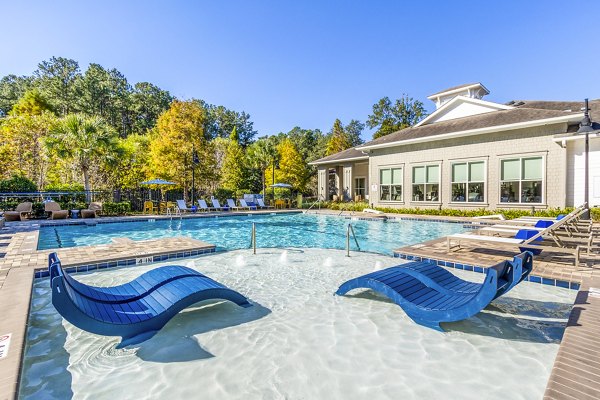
135,310
429,294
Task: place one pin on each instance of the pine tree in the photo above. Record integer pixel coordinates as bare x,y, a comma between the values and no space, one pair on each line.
338,140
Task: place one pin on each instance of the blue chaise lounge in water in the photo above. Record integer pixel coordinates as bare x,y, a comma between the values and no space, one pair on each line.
430,294
135,310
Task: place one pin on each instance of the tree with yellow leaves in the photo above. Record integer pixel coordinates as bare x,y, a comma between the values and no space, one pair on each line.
180,131
292,167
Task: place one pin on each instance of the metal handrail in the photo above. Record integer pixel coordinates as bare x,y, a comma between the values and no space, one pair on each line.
313,204
253,238
349,230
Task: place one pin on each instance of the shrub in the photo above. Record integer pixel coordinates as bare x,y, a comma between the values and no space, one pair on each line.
450,212
18,184
64,187
223,194
122,208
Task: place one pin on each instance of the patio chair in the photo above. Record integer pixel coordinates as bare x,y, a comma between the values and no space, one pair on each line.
261,203
245,205
203,205
181,206
149,207
21,212
92,210
217,205
232,205
55,211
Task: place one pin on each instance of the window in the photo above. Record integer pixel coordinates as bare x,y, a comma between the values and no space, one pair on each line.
359,188
521,180
468,182
390,184
426,183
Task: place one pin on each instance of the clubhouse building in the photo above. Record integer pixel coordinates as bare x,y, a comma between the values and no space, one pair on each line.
473,153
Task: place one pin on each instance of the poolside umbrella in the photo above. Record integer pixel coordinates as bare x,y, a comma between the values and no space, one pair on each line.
280,186
157,182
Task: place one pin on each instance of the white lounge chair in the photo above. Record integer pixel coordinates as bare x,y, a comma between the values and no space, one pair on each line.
203,205
261,203
534,242
217,205
181,206
232,205
245,205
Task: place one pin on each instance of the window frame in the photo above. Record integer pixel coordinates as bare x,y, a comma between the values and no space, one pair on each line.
391,168
468,181
356,186
543,179
439,182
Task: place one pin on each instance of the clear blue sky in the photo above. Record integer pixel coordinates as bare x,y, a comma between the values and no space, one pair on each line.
306,63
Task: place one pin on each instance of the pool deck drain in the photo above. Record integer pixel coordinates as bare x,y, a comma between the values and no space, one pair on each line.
575,375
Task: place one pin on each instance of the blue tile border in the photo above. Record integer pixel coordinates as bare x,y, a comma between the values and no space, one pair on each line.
480,269
129,262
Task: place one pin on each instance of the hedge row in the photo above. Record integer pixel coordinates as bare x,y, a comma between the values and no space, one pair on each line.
449,212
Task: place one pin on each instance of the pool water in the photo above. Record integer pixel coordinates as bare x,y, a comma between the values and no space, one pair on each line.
299,341
276,230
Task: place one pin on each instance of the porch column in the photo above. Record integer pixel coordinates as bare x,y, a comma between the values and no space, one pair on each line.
339,182
323,183
347,188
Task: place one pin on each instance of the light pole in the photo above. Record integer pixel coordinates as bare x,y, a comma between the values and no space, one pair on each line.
585,128
195,162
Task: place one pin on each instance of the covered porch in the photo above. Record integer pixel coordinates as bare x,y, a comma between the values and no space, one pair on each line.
343,176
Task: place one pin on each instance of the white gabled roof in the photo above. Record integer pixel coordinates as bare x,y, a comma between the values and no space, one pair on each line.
460,107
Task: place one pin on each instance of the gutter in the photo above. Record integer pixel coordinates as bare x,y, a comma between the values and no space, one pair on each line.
478,131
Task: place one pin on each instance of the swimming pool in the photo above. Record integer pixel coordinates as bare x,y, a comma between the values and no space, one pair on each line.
299,341
275,230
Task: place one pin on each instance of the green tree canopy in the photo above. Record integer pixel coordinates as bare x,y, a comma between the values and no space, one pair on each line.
261,154
17,183
84,141
12,87
338,139
31,103
221,121
21,142
235,171
389,118
56,79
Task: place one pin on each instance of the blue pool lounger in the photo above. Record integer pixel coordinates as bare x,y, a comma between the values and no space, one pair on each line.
430,294
135,310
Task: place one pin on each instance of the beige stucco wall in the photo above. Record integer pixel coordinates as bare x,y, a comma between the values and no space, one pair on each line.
491,148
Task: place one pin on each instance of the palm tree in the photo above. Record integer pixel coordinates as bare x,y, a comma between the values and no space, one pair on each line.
261,154
83,140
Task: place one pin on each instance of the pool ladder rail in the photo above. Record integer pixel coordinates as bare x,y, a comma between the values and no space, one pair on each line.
350,230
318,202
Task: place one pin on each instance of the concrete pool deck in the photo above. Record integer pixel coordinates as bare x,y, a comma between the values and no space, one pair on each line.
575,372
